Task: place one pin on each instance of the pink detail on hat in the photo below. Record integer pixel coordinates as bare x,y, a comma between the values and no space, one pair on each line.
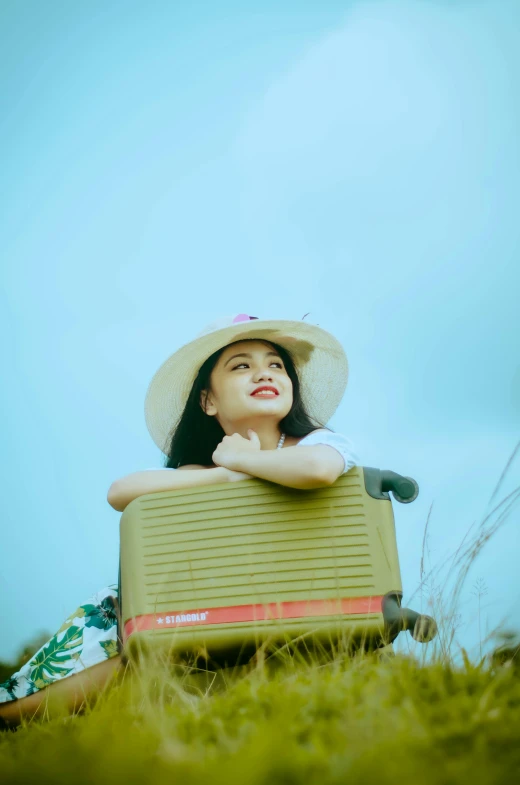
242,317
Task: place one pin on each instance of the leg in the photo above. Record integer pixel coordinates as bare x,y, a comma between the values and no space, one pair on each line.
74,663
71,693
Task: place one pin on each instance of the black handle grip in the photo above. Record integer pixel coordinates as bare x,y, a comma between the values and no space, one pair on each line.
422,628
405,489
379,483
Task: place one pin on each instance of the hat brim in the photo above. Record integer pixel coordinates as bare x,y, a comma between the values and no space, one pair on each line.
319,357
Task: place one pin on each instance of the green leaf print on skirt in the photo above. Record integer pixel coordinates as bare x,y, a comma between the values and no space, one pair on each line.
10,686
110,648
87,637
102,616
49,663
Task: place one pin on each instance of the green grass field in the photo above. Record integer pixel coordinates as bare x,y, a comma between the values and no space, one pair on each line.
431,716
351,719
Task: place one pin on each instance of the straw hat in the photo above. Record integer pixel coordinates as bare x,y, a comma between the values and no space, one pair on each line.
320,360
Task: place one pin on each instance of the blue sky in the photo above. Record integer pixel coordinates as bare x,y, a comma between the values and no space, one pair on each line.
163,166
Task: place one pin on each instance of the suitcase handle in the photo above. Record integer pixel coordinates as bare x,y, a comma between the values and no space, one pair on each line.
422,628
379,482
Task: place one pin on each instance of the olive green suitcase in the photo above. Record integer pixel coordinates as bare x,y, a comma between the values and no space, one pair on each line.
228,567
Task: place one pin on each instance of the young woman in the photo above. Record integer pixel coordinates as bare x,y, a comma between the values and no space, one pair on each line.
247,398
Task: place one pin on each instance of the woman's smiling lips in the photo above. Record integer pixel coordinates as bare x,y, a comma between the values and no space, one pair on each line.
266,391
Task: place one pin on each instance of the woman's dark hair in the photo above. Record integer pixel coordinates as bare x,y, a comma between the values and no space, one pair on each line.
197,434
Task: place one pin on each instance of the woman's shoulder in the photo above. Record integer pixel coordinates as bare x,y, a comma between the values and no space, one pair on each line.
339,441
320,434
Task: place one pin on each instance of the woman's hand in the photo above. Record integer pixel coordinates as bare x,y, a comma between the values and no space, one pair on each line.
232,449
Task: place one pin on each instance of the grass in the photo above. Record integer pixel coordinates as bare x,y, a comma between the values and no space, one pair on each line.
351,719
287,719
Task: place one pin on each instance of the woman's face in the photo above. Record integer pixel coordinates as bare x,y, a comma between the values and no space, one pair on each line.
236,380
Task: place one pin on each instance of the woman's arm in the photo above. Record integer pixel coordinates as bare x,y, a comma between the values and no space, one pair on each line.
128,488
295,467
305,467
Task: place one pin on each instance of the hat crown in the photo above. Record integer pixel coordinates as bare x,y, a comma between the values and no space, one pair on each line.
225,321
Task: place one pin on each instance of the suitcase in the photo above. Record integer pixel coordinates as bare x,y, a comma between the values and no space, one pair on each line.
224,569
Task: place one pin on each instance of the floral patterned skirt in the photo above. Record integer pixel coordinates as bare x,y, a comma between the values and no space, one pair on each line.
89,636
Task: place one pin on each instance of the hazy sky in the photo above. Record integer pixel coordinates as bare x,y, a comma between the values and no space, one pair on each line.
166,164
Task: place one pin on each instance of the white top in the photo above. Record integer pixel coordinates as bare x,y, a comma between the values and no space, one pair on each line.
340,443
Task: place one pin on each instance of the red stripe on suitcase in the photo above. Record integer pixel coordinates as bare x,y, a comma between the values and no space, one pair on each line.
247,613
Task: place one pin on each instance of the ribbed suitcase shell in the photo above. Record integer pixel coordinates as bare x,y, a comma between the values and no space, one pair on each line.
240,563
